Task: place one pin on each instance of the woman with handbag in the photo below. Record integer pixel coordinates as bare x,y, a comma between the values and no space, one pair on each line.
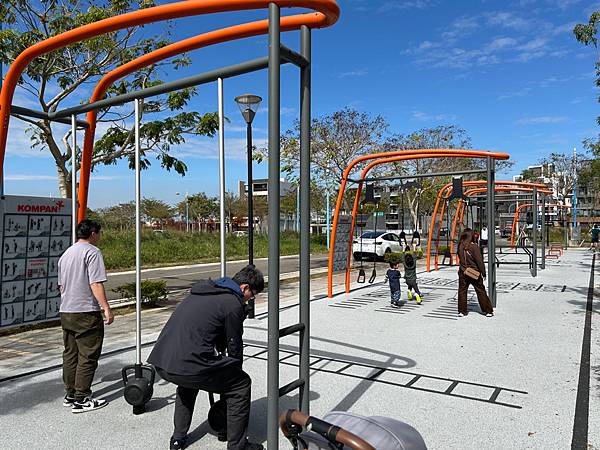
471,272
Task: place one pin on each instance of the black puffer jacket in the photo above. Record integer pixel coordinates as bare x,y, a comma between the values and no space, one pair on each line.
209,321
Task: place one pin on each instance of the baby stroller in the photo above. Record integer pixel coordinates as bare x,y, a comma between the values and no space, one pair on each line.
346,431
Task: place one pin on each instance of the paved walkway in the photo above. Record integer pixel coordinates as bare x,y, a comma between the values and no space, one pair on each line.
513,381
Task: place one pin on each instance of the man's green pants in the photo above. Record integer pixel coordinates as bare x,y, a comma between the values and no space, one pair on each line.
83,334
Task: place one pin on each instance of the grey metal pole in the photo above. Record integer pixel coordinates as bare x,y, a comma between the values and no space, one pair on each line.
297,209
222,176
491,225
534,231
74,179
273,222
138,241
543,233
1,84
305,112
250,195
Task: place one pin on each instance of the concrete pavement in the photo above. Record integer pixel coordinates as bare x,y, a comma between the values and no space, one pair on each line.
514,381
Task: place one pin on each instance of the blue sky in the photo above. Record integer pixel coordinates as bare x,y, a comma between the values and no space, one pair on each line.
509,72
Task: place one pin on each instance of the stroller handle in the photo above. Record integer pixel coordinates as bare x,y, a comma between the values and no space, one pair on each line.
290,420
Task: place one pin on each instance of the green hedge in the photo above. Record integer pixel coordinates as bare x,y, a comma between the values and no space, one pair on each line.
152,291
398,257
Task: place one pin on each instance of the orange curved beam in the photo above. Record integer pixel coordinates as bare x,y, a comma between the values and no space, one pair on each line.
471,192
466,183
475,191
327,8
468,193
384,158
540,191
516,218
203,40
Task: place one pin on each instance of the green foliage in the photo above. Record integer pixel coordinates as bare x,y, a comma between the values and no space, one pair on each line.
178,247
155,209
65,70
586,33
120,216
443,249
394,257
152,291
398,257
200,206
336,140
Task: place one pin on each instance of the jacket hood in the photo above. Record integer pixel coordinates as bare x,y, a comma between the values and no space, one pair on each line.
218,286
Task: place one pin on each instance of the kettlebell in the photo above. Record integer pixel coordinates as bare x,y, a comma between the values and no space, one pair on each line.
139,388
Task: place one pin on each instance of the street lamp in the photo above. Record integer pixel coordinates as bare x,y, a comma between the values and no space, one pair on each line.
248,105
187,216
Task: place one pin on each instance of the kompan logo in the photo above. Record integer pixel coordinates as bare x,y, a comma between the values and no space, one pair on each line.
58,205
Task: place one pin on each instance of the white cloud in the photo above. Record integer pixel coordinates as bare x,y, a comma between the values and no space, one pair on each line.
401,5
533,44
425,117
537,120
501,43
207,148
27,177
353,73
520,93
507,20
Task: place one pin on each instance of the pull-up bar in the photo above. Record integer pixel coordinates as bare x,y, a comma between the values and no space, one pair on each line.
195,80
421,175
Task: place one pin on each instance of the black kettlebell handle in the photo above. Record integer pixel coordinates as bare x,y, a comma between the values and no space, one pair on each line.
139,370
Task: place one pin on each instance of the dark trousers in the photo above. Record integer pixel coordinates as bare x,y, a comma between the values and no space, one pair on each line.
482,297
234,386
412,286
83,334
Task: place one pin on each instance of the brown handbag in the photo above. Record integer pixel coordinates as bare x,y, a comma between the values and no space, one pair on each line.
472,273
469,271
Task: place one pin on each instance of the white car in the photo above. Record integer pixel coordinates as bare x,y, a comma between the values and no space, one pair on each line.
375,244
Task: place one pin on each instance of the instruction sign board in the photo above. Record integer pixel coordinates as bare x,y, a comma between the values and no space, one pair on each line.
34,233
342,242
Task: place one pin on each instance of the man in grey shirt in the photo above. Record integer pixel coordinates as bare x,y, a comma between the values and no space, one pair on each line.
81,273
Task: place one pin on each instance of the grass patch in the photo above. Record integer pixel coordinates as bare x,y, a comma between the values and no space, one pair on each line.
178,247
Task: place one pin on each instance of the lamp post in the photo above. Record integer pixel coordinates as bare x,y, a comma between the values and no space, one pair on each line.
248,105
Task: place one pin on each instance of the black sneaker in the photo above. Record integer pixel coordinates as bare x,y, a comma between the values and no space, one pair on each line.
68,401
253,446
88,404
177,443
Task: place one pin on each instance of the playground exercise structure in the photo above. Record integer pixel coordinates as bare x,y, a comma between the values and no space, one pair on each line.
340,251
326,14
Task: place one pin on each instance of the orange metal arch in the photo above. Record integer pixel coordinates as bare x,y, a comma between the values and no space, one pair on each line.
328,9
480,190
461,208
387,157
518,211
441,196
470,192
203,40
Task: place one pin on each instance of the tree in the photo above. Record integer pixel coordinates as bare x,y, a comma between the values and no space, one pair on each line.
422,198
120,216
336,140
235,206
64,72
587,34
200,206
156,210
